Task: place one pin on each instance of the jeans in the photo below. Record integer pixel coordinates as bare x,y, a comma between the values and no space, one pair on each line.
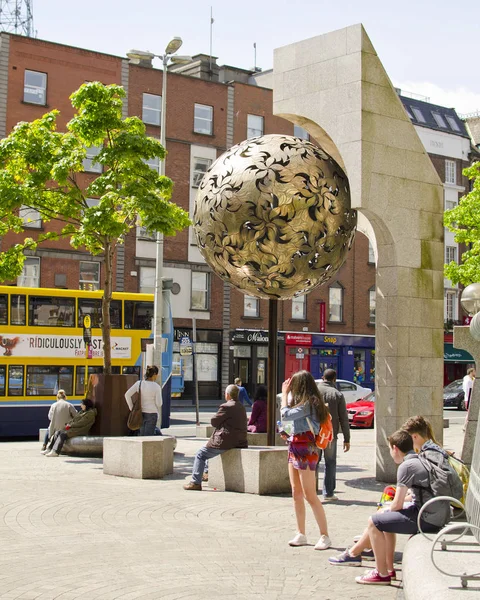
200,459
329,478
149,423
56,443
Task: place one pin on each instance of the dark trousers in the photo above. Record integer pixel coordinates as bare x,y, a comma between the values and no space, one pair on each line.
56,443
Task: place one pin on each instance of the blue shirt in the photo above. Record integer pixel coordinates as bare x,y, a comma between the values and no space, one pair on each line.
243,396
298,415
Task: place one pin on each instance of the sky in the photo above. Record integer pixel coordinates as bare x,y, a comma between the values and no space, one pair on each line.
427,47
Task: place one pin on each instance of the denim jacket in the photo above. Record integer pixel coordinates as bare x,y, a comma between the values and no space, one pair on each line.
297,415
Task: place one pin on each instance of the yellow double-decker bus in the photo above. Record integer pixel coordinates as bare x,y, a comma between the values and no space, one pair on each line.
42,348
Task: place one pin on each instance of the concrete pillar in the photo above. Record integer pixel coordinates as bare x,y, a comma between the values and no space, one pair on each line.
335,86
464,341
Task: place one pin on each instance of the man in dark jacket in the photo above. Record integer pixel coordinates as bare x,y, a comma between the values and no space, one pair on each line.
338,410
230,424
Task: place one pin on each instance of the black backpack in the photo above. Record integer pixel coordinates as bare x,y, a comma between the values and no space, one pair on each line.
442,477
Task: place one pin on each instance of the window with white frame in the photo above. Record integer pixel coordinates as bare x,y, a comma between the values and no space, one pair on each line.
30,217
88,162
450,171
199,296
449,204
299,307
144,234
254,126
153,163
35,87
450,305
251,306
89,276
300,132
147,280
371,253
200,167
439,120
335,303
453,124
203,119
418,114
372,299
152,109
450,254
30,276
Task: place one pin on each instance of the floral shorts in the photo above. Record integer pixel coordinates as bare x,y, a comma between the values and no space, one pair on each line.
303,454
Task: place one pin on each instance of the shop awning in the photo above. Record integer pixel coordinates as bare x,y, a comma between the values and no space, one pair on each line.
451,354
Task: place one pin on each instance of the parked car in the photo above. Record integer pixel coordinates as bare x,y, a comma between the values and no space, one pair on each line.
351,391
361,413
453,395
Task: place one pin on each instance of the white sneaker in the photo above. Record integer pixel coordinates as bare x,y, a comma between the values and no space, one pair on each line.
45,451
52,453
323,543
299,540
330,498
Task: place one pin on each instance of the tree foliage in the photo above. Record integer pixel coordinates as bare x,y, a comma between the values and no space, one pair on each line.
39,169
464,222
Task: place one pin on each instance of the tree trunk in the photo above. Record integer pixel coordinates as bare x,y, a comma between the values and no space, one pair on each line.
106,300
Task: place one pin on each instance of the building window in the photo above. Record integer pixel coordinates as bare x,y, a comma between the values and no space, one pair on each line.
453,124
30,217
418,114
147,280
371,253
450,305
450,172
200,167
88,162
449,204
439,120
299,307
300,132
35,88
372,305
89,276
203,119
254,126
251,306
335,303
152,109
450,254
144,234
199,297
30,276
153,163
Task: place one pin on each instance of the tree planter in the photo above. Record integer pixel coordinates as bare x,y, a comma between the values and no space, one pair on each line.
108,395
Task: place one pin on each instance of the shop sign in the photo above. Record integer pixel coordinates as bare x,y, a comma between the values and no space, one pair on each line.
329,339
300,339
299,355
254,337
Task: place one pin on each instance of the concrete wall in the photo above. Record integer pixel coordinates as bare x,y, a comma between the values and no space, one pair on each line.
335,86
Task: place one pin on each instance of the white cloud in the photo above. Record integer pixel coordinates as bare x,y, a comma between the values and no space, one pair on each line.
463,100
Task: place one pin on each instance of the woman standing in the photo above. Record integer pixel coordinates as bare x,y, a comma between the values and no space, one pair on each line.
151,395
306,410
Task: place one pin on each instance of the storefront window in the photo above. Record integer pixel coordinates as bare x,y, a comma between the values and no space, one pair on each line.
372,365
242,351
359,367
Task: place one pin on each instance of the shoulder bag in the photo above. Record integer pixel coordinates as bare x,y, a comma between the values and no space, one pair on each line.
135,418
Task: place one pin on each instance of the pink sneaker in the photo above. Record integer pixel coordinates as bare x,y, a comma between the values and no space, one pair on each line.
392,574
373,577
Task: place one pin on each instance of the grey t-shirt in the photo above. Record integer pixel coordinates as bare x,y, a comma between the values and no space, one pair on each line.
412,474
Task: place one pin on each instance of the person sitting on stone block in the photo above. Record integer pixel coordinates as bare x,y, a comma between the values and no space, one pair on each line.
80,425
230,424
258,419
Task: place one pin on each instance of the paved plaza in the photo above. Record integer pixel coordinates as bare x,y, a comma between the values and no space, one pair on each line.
70,532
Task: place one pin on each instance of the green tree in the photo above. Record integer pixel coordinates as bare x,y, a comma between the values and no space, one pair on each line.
39,170
464,222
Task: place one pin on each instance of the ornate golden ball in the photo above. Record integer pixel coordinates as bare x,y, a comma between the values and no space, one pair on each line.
273,218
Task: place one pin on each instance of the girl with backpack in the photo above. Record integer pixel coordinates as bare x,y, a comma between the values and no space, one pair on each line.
307,412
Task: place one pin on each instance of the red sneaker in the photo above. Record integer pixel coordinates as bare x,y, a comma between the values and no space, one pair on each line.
392,574
374,578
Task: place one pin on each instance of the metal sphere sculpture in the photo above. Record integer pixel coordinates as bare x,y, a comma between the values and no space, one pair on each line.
272,217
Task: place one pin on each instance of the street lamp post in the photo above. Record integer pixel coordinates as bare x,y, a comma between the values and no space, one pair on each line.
172,47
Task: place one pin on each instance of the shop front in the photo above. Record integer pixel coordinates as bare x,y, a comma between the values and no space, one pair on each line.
208,360
455,363
249,358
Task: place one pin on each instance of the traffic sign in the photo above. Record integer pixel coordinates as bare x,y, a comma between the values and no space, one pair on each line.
186,350
185,341
87,323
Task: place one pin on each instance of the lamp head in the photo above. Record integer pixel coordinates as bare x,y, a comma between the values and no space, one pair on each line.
173,45
470,299
140,55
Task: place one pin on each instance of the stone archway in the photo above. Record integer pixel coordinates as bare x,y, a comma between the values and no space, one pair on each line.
335,86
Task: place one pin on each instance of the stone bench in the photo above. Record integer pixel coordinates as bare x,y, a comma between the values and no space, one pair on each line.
204,431
148,457
82,445
253,439
258,470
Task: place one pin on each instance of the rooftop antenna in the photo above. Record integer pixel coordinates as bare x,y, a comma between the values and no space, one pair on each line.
212,21
254,56
16,16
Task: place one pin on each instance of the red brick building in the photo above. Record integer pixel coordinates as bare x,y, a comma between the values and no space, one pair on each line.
209,109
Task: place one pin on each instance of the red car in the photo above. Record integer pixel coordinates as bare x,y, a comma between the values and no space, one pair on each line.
361,413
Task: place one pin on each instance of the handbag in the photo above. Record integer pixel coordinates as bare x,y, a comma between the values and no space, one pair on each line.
325,436
135,418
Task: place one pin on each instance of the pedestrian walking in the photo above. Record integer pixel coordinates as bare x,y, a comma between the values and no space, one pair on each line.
243,396
151,397
60,413
307,411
